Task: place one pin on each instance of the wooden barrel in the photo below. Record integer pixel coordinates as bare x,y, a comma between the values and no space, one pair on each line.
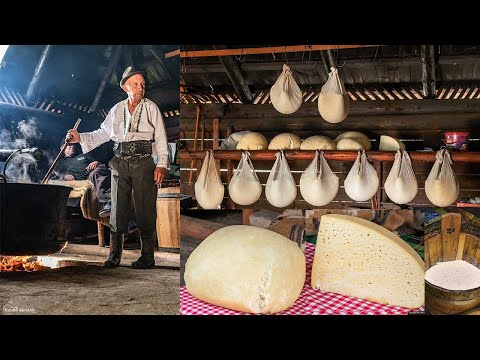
168,217
451,244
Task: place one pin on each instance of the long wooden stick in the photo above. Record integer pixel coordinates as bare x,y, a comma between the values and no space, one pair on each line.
194,145
266,50
49,172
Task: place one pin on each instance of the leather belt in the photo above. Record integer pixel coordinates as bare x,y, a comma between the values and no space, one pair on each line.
133,148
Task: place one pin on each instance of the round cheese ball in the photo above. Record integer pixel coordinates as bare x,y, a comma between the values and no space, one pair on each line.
252,141
246,268
318,142
285,141
358,137
349,144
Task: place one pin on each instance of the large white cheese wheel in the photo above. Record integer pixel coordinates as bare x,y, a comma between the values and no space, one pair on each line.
285,141
357,136
389,143
252,141
246,268
349,144
318,142
355,257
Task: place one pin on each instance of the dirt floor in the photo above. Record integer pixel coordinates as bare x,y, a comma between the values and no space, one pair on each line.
88,288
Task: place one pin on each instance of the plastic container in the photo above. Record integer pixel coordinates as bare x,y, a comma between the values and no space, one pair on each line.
456,140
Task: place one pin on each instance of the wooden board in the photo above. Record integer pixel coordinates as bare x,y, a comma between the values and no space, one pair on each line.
451,226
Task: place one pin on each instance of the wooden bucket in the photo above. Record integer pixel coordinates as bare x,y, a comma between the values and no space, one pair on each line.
448,245
168,217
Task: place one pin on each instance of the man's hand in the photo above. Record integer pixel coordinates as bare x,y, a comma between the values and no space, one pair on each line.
69,177
93,165
159,174
73,136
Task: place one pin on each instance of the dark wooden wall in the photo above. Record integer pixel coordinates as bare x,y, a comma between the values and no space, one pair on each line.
419,123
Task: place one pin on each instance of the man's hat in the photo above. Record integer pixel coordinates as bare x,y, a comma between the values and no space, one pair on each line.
130,71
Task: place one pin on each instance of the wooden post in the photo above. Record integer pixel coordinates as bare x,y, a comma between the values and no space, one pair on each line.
194,146
106,77
216,140
378,196
230,202
428,71
38,71
246,216
101,234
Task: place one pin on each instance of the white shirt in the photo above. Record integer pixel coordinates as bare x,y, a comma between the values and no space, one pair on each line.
120,126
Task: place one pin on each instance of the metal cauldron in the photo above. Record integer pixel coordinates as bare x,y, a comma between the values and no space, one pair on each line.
32,218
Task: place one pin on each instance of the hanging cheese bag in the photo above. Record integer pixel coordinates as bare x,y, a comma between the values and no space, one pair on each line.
333,101
285,94
318,184
245,188
281,189
209,189
401,185
441,186
362,182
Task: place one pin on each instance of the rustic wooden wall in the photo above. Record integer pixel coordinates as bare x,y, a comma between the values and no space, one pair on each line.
419,123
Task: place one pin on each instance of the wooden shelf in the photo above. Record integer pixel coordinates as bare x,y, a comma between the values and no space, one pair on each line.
422,156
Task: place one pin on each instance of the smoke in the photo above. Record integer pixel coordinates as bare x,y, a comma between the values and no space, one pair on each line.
28,128
20,139
20,167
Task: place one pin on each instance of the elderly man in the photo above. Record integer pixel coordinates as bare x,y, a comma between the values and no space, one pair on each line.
136,127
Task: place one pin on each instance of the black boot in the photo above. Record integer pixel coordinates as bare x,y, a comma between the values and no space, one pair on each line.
116,247
147,259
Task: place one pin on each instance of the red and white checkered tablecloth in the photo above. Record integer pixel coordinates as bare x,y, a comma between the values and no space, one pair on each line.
310,302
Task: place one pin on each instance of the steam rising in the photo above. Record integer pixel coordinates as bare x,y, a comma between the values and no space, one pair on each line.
20,166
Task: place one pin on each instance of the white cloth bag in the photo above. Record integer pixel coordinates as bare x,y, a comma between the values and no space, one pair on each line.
441,186
245,188
285,94
209,189
318,184
281,189
362,181
401,184
333,101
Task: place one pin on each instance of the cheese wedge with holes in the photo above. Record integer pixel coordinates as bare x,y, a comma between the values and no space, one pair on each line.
355,257
389,143
248,269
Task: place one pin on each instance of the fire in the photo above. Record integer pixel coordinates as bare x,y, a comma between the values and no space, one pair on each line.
20,263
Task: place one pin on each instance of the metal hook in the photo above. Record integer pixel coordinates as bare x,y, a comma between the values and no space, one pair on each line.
336,59
376,51
285,53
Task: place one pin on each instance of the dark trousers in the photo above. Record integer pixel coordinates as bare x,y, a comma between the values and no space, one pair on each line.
101,179
133,174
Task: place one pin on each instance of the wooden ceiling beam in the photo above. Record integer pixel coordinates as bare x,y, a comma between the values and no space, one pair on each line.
374,108
266,50
107,75
160,60
428,71
350,63
38,71
236,77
